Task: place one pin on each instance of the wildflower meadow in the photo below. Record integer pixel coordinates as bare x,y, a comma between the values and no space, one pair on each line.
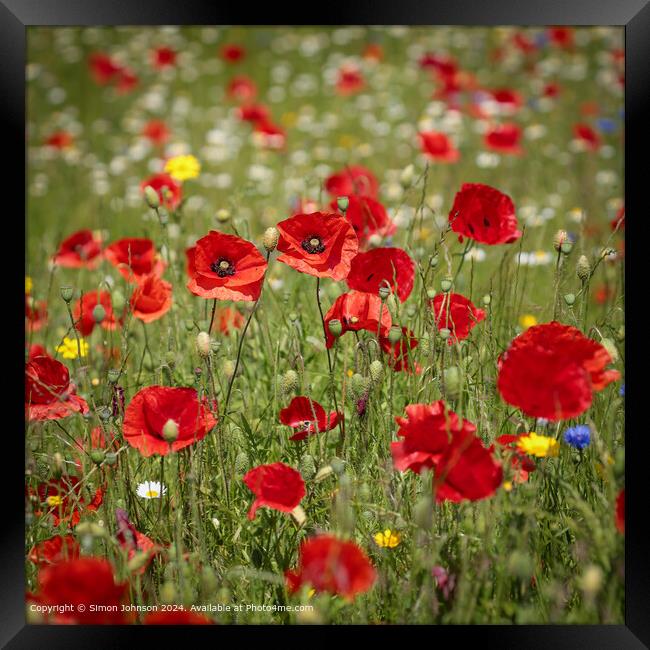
325,325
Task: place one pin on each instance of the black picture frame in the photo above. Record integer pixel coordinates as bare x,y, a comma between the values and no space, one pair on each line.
634,15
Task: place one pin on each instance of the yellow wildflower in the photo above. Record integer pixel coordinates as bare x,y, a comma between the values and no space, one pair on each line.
54,500
180,168
387,539
28,284
507,486
70,350
527,320
539,446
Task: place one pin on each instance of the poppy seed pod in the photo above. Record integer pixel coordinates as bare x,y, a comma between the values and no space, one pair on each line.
444,333
395,334
431,293
270,239
559,238
433,261
113,375
111,458
376,371
337,465
487,299
118,301
97,456
569,299
335,327
342,203
203,344
222,215
445,284
151,197
384,292
170,431
452,382
99,313
67,292
583,268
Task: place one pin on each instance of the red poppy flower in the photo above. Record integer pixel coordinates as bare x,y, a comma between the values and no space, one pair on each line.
133,541
269,134
254,113
99,439
54,550
152,407
308,417
484,214
134,257
81,249
522,464
36,350
507,98
551,371
369,271
438,147
504,138
82,581
176,618
331,565
457,314
103,68
434,437
162,57
151,299
229,319
242,89
35,314
523,43
357,310
551,90
368,217
171,196
225,267
561,36
355,180
49,395
156,131
126,81
585,134
64,500
233,53
318,244
619,219
349,81
400,352
373,52
620,512
443,65
59,140
82,312
276,486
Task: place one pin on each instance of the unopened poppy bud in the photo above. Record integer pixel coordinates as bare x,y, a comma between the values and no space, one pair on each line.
99,313
569,299
170,431
444,333
90,529
559,238
270,239
289,382
583,268
97,456
151,197
342,203
307,466
377,371
222,215
452,382
67,292
203,344
395,334
445,284
487,299
384,292
189,324
433,262
242,463
139,560
406,177
335,327
111,458
228,368
117,300
113,375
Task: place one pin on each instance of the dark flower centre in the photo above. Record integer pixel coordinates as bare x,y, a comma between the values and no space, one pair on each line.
223,267
313,244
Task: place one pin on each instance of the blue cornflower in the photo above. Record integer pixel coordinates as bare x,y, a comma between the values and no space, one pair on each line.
606,125
578,437
621,392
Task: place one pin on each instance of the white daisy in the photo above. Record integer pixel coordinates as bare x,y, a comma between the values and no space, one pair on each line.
151,490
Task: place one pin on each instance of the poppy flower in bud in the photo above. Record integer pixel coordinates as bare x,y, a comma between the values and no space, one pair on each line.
454,312
157,132
80,583
355,180
134,258
59,140
169,191
151,299
276,486
382,267
368,217
504,138
349,81
438,147
522,464
242,89
176,618
585,134
84,311
49,395
150,410
620,512
331,565
400,352
233,53
552,370
434,437
357,310
484,214
163,57
80,250
318,244
65,499
55,550
307,417
225,267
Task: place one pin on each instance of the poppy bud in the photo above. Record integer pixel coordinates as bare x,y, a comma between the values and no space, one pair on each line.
620,335
445,284
487,299
97,456
342,203
433,261
91,529
113,375
170,431
163,216
242,463
452,382
406,177
111,458
222,215
384,292
99,313
270,239
293,317
444,333
359,386
140,559
289,382
395,334
335,327
307,466
228,368
569,299
583,268
376,371
151,197
337,465
203,344
67,292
